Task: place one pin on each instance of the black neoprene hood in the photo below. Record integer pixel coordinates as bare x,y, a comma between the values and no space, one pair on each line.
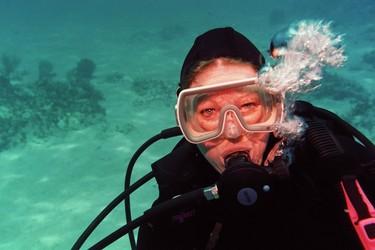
220,42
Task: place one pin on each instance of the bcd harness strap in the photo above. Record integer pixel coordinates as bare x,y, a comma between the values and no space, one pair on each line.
360,210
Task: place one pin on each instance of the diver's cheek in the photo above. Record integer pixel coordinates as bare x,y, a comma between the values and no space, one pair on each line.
258,144
256,155
212,143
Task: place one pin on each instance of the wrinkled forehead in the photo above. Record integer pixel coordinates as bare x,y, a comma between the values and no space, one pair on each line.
221,71
217,86
230,94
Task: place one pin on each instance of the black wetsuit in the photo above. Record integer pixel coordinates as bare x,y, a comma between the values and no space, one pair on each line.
307,212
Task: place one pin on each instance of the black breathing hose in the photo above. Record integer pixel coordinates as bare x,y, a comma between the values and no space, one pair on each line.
167,133
196,196
78,244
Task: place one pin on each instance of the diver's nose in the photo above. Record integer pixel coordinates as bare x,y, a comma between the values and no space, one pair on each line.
232,129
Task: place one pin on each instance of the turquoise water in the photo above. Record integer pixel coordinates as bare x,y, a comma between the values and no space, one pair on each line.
84,84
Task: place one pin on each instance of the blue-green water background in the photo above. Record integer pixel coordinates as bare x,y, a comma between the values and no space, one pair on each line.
56,175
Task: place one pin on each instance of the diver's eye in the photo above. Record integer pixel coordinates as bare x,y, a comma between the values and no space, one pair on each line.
207,112
248,106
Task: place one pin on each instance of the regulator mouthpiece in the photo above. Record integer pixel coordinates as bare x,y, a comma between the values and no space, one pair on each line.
245,188
236,159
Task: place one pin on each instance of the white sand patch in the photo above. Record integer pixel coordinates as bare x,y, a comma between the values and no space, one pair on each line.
50,241
39,218
76,206
10,177
21,201
67,146
12,156
44,179
44,205
123,149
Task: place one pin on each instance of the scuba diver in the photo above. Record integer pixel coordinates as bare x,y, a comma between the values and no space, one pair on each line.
278,174
226,116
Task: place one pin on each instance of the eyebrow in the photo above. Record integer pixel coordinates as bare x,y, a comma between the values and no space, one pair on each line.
199,99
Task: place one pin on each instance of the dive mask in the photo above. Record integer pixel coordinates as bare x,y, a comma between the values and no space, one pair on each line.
203,111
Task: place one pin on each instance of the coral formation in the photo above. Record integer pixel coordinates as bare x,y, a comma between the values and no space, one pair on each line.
83,72
45,71
48,106
9,65
335,87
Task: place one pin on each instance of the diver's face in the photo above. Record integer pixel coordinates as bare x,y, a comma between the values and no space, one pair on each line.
234,139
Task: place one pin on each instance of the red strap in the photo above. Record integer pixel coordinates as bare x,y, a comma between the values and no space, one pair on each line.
362,221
